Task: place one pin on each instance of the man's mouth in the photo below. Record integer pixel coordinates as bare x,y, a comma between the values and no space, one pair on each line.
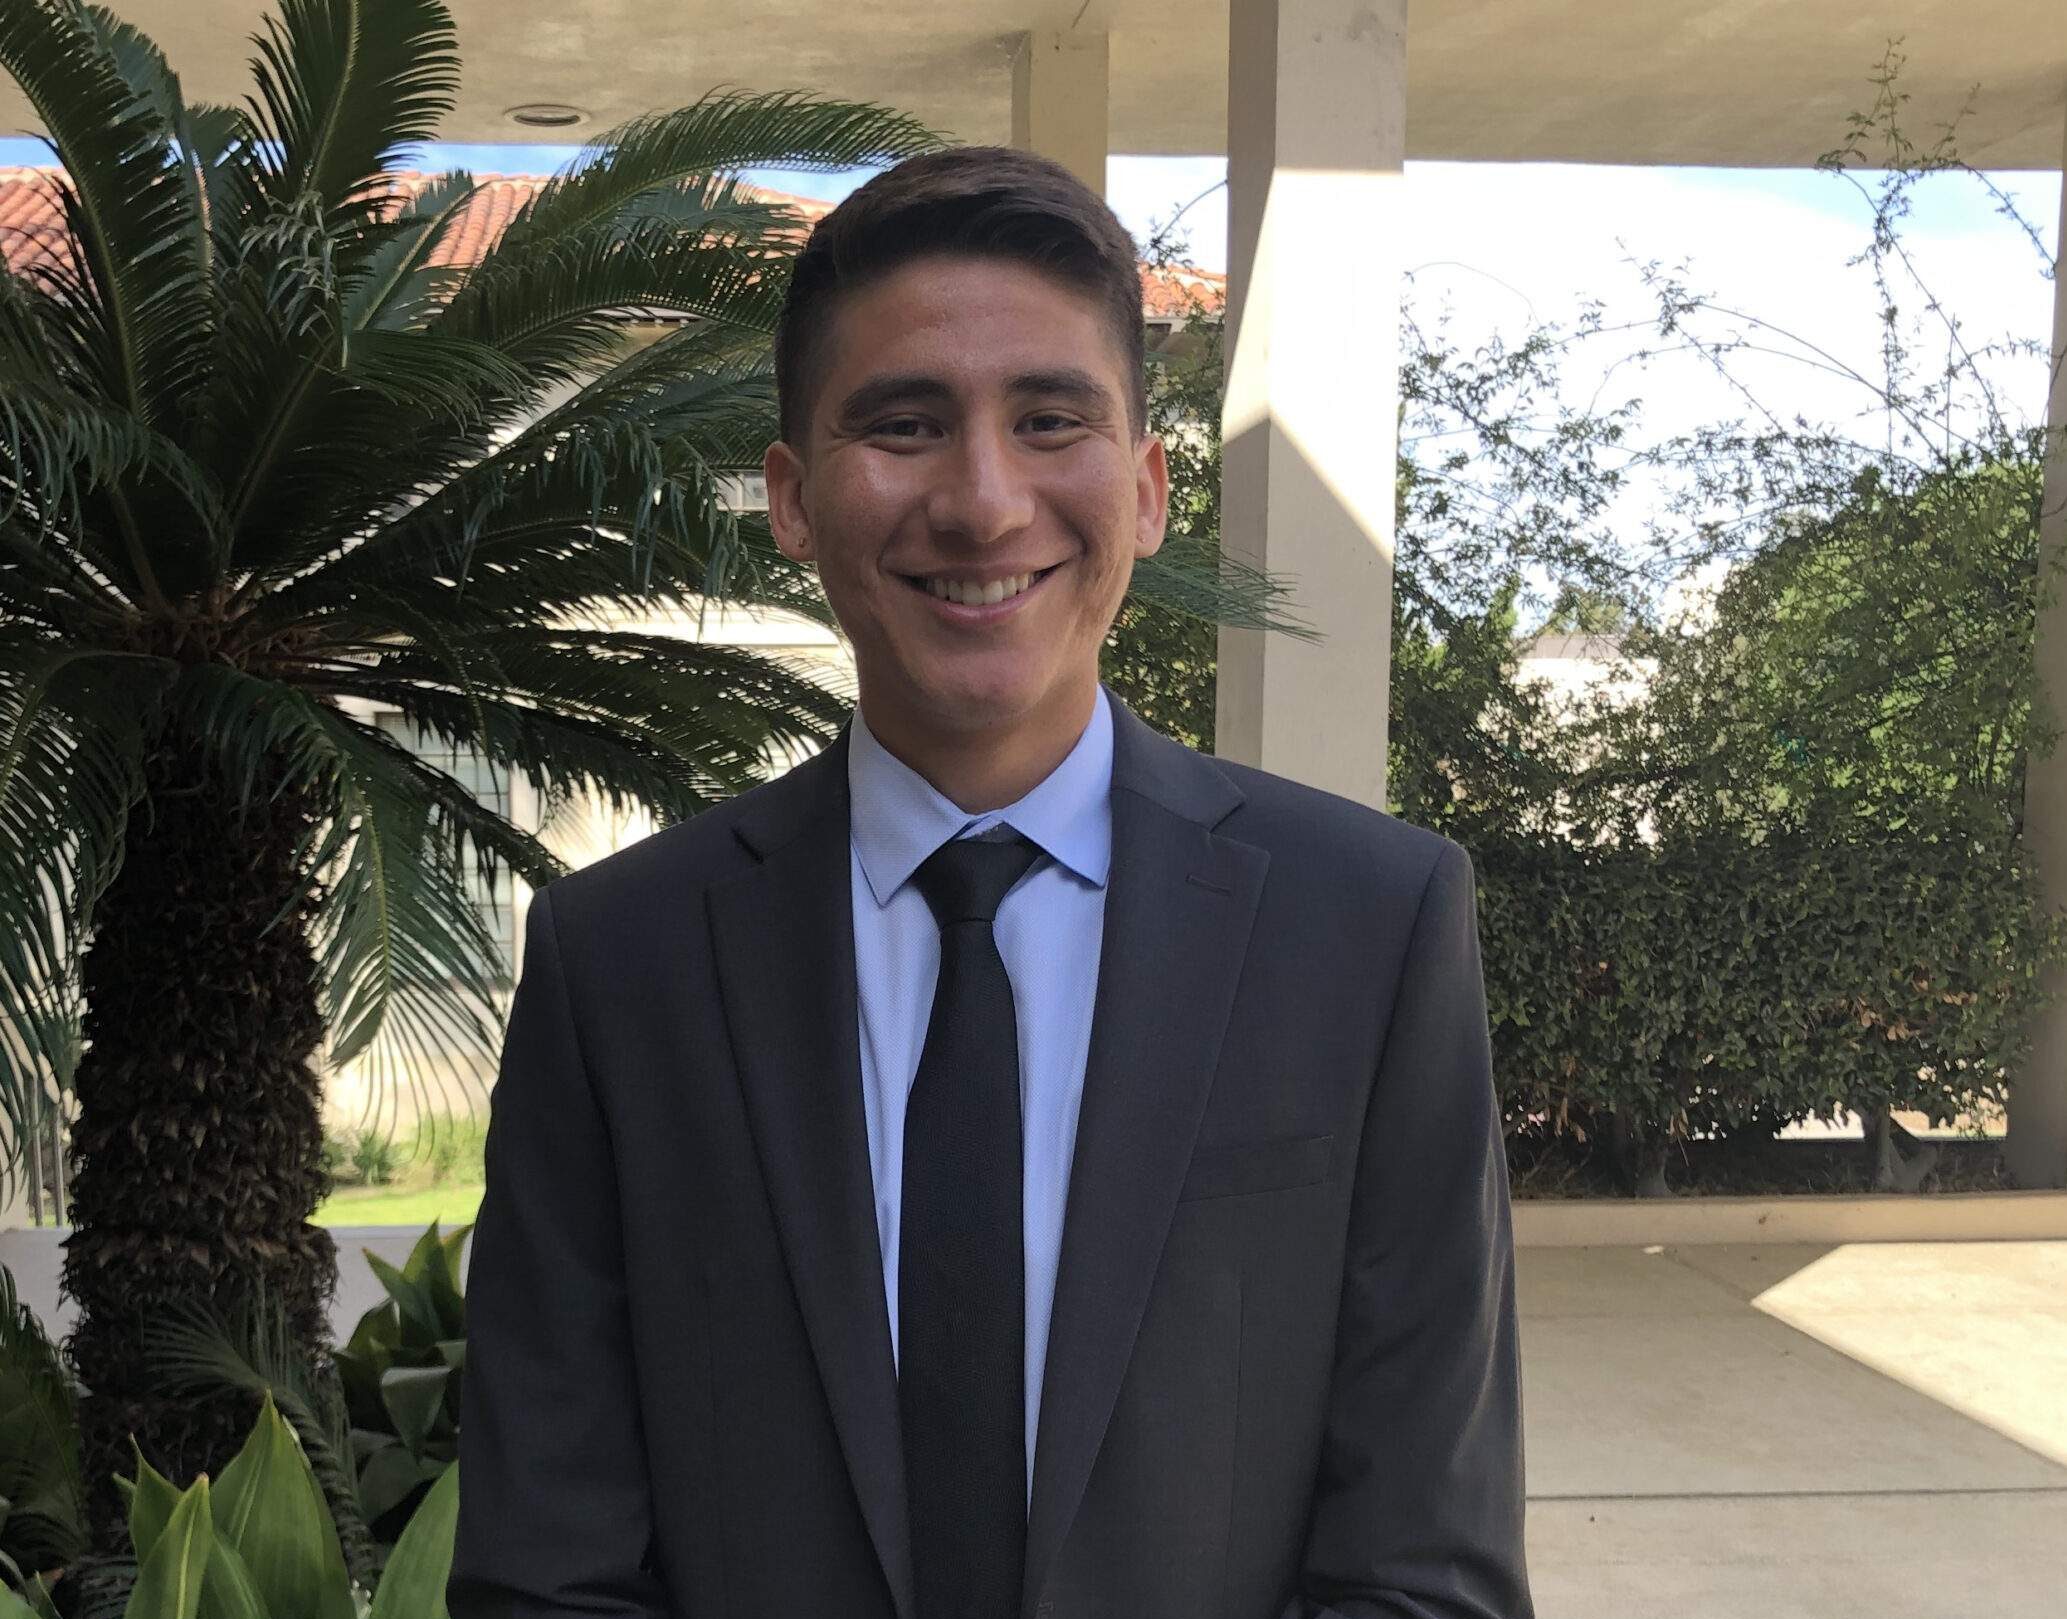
977,592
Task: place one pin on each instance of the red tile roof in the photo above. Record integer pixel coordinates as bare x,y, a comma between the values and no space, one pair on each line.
32,230
32,221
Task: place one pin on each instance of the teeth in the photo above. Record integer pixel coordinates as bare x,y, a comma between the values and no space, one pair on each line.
970,594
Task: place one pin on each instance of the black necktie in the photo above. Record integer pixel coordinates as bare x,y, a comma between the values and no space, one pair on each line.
961,1301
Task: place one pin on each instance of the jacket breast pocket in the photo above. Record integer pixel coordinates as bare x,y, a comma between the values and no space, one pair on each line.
1257,1166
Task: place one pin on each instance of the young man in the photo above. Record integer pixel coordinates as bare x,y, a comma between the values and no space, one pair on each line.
1011,1166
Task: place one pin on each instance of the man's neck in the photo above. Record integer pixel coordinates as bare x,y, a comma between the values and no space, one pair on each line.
981,771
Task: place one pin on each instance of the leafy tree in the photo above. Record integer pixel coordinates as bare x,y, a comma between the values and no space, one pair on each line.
1486,490
1160,657
1868,671
1580,610
1875,661
267,460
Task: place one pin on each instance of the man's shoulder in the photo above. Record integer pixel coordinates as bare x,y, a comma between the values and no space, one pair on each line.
663,867
1307,824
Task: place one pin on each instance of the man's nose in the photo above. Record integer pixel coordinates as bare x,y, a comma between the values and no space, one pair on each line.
984,494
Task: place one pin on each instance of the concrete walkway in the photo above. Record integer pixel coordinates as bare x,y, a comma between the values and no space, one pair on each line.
1867,1431
1874,1431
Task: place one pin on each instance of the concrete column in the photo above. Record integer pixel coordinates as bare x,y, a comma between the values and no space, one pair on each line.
1059,91
2037,1147
1316,136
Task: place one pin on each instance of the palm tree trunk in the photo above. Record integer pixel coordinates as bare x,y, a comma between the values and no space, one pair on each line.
198,1144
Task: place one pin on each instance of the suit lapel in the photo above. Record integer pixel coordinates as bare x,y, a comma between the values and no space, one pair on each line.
1179,905
783,935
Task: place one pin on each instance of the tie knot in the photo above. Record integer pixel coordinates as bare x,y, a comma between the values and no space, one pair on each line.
965,879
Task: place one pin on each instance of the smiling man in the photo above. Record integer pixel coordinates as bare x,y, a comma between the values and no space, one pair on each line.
1011,1166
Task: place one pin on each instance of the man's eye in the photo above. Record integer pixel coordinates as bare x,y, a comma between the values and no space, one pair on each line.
1051,421
899,427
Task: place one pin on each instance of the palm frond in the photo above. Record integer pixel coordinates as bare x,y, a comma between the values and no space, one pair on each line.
436,378
476,836
1195,578
56,448
45,584
197,137
141,292
344,86
406,959
720,710
395,287
278,342
562,755
723,132
40,1478
625,481
561,312
251,1348
71,745
708,386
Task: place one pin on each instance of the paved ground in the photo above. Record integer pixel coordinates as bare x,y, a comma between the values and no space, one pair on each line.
1866,1432
1874,1431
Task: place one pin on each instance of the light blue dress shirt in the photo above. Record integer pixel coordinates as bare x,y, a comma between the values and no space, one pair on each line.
1048,930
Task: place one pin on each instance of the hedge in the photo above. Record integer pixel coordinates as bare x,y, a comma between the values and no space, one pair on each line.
1721,987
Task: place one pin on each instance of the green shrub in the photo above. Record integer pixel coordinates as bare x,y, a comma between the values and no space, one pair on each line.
42,1495
1648,996
453,1146
375,1157
258,1542
401,1373
281,1531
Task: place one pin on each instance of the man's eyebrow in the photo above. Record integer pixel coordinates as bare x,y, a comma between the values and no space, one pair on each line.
878,392
1067,382
909,388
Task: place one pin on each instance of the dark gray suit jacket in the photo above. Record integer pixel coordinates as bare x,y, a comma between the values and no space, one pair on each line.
1282,1377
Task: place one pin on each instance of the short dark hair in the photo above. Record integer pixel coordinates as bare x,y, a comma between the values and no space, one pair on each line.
993,202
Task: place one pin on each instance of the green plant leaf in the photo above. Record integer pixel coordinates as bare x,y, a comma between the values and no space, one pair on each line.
270,1509
170,1580
43,1517
430,1265
413,1584
152,1500
455,1248
40,1598
137,289
419,1314
414,1397
229,1590
390,1475
344,85
12,1606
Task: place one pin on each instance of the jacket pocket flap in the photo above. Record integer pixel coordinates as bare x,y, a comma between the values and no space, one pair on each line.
1258,1166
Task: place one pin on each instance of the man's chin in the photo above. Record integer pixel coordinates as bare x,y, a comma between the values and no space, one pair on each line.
984,704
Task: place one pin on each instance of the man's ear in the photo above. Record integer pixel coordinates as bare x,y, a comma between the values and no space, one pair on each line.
1151,496
783,471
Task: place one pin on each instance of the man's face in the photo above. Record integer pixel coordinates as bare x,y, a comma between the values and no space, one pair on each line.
968,442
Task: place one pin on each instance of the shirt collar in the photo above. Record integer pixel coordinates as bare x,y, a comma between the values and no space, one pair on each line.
899,818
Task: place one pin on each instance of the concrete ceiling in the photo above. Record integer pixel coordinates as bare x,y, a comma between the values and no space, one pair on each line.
1730,82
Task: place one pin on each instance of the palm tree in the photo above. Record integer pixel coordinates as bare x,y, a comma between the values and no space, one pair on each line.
260,454
267,458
